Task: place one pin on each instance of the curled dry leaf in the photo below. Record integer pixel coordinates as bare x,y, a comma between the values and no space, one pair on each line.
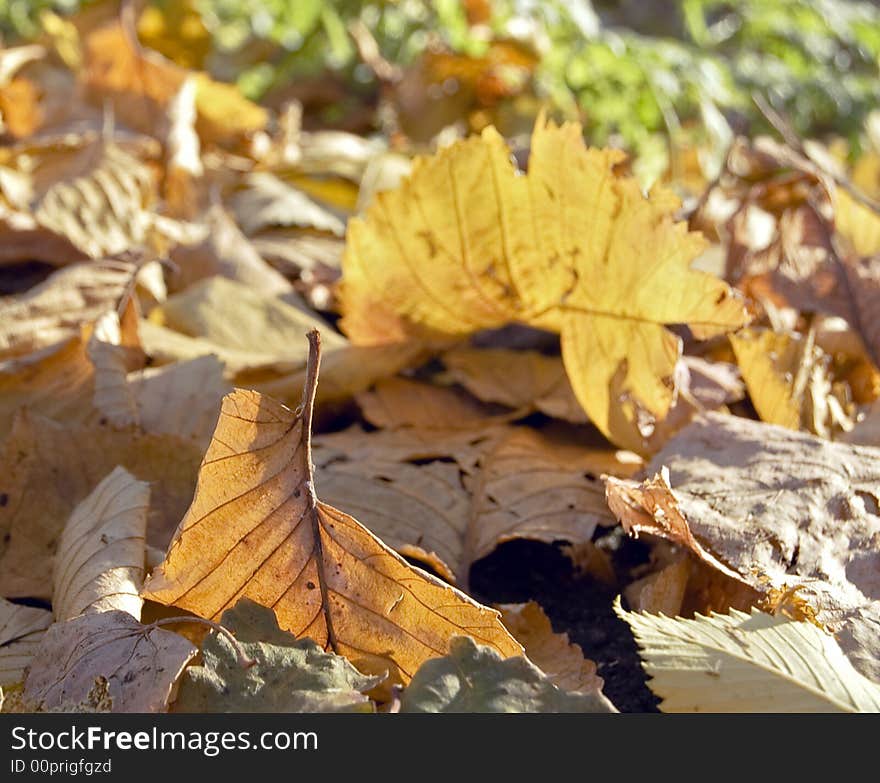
255,529
748,663
47,468
112,395
561,660
141,663
474,678
467,243
21,628
781,510
99,566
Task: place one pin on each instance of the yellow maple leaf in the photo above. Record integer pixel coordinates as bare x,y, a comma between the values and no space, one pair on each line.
467,242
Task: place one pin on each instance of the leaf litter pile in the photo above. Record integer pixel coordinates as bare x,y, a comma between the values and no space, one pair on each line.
292,422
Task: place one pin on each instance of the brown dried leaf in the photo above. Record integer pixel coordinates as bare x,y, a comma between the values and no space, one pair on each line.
141,663
518,379
399,402
553,653
780,510
99,566
256,529
21,628
46,469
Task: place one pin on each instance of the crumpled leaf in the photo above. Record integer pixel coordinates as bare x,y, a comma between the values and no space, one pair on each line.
255,529
141,663
21,628
783,512
55,309
100,561
287,674
748,663
561,660
466,243
112,395
474,678
46,468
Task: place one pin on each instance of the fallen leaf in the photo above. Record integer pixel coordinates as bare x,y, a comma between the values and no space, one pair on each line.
474,678
400,402
662,592
112,396
858,223
748,663
47,468
235,316
451,250
141,663
180,399
518,379
57,308
99,565
779,510
227,252
268,201
561,660
287,674
255,529
21,628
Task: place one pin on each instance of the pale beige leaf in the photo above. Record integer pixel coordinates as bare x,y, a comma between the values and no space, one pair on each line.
748,663
662,592
112,395
99,565
551,652
141,663
255,529
227,252
55,309
21,628
234,316
47,468
181,399
267,201
782,510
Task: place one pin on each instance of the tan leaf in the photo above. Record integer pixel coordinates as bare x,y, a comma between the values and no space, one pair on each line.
268,201
234,316
46,469
551,652
21,628
518,379
227,252
857,222
181,399
184,168
56,309
782,510
661,592
99,565
348,371
112,395
141,663
255,529
400,402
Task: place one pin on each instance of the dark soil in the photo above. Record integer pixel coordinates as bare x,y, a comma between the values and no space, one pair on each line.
520,571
